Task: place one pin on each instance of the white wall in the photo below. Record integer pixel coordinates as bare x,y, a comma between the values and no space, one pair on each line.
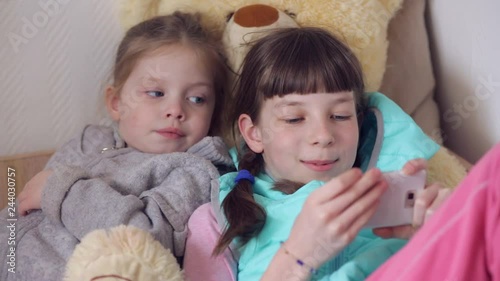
54,57
466,54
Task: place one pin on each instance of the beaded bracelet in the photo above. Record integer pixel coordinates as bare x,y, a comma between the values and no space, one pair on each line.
300,262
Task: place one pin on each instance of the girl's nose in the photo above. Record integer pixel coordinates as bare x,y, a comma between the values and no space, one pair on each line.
175,110
322,134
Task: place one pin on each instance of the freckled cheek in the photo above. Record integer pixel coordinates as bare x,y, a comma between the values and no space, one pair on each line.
204,126
283,150
137,120
126,108
356,136
208,114
205,119
131,99
352,144
290,140
353,136
274,126
349,133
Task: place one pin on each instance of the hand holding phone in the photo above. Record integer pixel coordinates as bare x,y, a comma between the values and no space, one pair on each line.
396,204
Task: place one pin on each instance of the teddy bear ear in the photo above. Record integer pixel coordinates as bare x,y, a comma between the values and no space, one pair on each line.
246,25
125,252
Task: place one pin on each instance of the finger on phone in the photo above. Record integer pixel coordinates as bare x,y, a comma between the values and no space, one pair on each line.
413,166
363,215
442,195
384,232
423,201
358,190
401,232
362,209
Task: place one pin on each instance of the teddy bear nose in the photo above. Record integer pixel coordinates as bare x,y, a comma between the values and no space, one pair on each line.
256,15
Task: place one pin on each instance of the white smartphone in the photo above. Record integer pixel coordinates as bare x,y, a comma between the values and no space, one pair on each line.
396,204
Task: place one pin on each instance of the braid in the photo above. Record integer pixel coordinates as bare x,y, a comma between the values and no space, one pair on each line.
245,217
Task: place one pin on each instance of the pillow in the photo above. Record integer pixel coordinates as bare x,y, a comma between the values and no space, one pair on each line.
409,79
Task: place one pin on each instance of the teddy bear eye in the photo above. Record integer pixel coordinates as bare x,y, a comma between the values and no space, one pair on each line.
290,14
229,16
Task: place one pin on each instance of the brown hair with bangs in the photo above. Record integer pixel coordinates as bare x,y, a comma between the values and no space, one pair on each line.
303,60
178,28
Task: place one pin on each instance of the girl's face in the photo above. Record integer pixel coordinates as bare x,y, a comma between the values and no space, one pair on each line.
167,102
305,137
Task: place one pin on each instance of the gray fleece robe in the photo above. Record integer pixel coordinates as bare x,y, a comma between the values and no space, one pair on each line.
98,182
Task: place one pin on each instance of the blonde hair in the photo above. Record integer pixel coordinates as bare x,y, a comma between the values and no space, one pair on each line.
177,28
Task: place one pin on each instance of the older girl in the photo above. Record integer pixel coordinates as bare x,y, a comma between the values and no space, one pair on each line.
307,125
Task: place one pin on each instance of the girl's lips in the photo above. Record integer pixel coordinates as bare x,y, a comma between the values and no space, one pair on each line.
171,133
319,166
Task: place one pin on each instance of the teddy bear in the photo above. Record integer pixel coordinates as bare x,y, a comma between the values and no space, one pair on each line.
127,253
362,24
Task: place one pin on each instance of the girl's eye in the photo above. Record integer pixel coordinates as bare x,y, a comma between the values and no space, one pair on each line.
155,94
196,100
341,117
293,120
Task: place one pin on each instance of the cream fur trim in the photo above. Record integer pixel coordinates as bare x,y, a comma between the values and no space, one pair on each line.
124,251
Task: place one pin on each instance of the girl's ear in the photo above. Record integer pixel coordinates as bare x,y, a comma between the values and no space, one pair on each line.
112,100
251,133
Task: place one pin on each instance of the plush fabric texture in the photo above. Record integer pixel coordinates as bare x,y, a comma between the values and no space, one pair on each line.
361,24
125,253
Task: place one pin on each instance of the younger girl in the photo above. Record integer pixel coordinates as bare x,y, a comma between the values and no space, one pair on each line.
299,106
150,170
